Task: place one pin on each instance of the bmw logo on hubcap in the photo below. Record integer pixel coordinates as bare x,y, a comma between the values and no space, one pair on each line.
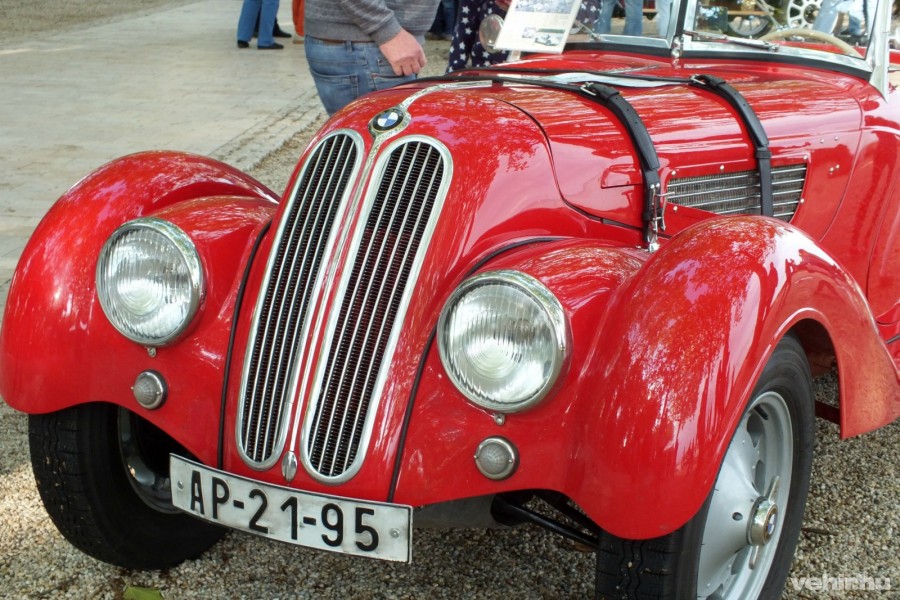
387,120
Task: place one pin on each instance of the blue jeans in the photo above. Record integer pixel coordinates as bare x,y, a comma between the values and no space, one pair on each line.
266,10
634,15
447,13
344,71
663,14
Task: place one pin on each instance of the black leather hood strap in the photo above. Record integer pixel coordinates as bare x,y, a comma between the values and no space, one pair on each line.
754,129
610,98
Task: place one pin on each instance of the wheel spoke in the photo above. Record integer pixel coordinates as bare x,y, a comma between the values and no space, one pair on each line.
725,535
743,522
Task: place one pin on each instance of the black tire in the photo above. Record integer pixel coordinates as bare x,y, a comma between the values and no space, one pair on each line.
77,459
670,566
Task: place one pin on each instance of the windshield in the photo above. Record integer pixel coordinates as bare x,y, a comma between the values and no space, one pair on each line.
847,20
843,32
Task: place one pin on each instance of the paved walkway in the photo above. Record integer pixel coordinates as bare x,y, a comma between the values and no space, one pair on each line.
172,79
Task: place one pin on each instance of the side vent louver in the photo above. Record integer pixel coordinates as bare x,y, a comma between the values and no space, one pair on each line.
739,193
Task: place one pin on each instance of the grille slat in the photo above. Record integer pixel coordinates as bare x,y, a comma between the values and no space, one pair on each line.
382,265
739,193
394,267
299,251
393,230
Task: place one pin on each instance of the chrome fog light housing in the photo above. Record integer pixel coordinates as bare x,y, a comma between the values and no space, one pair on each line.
149,281
503,339
496,458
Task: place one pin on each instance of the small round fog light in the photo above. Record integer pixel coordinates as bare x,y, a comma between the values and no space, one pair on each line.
150,390
496,458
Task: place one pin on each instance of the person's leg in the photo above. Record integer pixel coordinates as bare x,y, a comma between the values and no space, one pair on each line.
267,16
604,22
663,14
448,10
464,37
345,71
828,15
333,68
856,16
247,21
634,17
278,32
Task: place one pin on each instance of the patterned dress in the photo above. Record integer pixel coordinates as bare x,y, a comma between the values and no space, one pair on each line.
466,49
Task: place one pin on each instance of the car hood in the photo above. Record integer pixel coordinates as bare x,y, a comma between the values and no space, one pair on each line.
694,131
501,135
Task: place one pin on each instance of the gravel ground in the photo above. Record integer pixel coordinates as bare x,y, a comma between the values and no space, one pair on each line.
852,524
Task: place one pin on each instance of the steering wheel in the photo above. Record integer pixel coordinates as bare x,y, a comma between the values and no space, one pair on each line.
810,34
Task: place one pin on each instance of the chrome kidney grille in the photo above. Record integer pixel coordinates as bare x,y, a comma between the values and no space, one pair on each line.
386,252
739,193
295,262
357,307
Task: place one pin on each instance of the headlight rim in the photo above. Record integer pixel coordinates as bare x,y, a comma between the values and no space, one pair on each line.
549,304
188,251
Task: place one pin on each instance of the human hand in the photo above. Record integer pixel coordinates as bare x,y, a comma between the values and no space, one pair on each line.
404,53
503,4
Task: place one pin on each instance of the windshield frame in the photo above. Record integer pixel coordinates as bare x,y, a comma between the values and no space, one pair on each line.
871,66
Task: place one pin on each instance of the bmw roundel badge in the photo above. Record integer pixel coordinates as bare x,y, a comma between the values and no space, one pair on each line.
387,120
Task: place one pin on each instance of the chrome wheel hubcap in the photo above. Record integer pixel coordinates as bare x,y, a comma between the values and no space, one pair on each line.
149,481
743,525
802,13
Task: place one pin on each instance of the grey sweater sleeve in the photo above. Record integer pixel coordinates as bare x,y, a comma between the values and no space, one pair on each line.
373,17
368,20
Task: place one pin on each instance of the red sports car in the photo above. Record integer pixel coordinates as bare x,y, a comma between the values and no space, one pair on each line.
587,289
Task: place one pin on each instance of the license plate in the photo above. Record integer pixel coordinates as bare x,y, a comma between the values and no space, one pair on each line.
363,528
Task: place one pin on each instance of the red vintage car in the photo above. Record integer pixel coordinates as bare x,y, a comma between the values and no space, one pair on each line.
588,290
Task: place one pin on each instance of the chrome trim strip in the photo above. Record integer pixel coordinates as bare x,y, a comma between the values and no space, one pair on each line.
286,395
329,283
443,87
396,325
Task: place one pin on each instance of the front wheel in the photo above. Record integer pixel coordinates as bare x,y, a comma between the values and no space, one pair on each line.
102,473
740,544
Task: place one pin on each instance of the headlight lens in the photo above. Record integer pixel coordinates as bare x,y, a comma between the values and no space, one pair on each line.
149,281
503,339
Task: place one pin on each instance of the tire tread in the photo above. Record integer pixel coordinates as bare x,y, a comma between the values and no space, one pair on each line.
84,488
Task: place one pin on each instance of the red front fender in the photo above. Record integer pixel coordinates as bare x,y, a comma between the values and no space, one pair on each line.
662,367
56,347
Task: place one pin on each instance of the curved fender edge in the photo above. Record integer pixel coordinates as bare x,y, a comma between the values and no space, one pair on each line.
684,344
57,349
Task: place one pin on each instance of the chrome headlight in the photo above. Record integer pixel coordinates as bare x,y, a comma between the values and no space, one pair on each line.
149,280
503,339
